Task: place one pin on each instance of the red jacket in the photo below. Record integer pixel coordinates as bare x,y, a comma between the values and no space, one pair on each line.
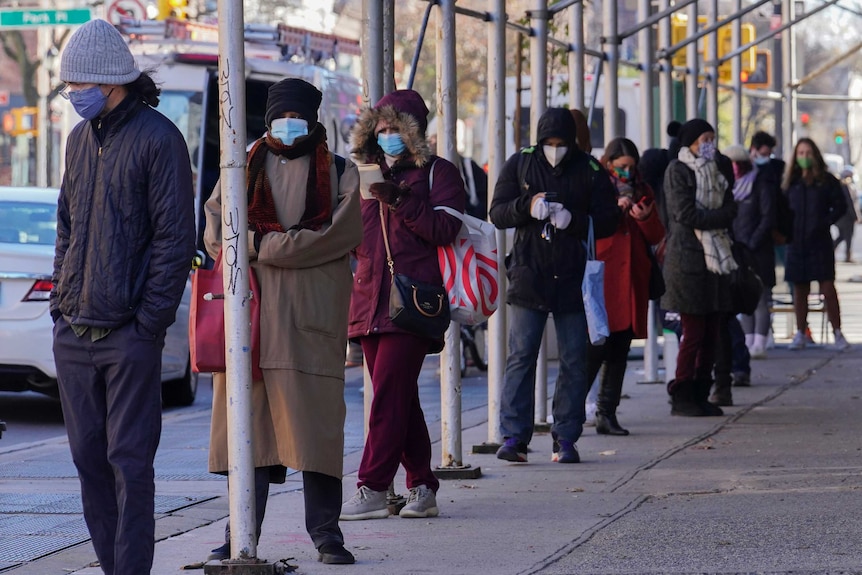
627,268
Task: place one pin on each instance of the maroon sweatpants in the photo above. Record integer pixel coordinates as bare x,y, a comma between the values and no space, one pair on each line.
397,432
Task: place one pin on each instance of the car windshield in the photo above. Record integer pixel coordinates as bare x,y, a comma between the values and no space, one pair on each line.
184,110
28,223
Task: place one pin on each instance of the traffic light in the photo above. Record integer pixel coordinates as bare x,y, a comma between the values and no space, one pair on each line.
761,77
804,119
840,136
172,9
21,121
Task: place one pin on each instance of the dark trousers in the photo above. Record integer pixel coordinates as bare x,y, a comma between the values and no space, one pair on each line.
731,354
697,348
322,505
741,358
397,432
610,359
111,397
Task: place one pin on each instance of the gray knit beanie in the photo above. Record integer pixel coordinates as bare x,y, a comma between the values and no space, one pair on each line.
97,54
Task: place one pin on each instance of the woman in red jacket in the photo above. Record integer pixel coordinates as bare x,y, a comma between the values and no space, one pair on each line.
627,273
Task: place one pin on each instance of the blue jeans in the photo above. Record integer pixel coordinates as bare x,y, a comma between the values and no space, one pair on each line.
517,405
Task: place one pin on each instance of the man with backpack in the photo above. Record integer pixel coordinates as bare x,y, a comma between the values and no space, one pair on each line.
549,193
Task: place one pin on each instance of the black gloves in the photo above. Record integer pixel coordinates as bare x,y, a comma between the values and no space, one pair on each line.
388,192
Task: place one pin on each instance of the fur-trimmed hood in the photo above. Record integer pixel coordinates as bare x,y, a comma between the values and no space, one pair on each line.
363,140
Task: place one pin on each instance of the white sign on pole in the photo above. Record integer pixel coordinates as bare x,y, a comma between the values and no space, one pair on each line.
131,9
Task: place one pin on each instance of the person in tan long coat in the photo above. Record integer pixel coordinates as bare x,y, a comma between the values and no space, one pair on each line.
304,219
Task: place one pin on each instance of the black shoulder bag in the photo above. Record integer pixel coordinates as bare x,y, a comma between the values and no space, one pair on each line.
418,307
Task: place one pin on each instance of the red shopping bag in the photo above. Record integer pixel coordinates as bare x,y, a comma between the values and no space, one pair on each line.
206,322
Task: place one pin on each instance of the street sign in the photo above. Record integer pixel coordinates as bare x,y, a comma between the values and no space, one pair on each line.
35,18
119,9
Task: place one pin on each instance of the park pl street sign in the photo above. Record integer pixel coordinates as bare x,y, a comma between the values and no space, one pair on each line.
35,18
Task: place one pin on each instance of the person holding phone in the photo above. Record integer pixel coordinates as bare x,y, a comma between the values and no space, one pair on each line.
627,275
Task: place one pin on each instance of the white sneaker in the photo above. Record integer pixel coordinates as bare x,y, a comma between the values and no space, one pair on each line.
841,342
758,347
420,503
799,341
591,414
365,504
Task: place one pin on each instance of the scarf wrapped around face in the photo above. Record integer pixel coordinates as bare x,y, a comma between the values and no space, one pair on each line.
262,217
710,196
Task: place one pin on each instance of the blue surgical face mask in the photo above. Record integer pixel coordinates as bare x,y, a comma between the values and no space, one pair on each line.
89,102
760,160
707,150
391,144
288,129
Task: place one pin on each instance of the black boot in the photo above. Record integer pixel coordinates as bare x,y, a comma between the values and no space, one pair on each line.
682,400
610,391
701,397
607,424
721,393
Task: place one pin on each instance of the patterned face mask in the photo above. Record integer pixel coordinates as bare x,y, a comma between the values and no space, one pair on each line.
707,150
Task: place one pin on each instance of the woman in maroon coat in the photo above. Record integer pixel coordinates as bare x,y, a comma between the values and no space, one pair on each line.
392,135
627,272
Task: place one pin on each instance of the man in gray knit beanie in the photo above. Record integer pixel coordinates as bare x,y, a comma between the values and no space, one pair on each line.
95,60
119,276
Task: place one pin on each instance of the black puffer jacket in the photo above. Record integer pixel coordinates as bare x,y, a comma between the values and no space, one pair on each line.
125,221
547,275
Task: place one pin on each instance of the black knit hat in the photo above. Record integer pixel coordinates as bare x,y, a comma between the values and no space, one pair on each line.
293,95
691,131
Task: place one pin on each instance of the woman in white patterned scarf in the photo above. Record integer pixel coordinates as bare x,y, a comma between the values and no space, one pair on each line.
697,264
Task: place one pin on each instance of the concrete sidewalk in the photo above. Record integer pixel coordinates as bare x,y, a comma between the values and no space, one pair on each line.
771,487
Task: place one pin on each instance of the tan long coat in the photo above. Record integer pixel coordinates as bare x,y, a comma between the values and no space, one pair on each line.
298,410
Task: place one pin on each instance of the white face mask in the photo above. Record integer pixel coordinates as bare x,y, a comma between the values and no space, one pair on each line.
554,154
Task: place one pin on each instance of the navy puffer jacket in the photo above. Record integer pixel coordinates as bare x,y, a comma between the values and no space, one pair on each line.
125,221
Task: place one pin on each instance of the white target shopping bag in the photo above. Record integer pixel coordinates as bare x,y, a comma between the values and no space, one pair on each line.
469,269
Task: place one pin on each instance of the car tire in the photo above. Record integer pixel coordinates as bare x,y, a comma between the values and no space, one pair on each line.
181,392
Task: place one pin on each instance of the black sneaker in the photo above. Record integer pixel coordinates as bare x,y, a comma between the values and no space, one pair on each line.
513,450
335,554
220,553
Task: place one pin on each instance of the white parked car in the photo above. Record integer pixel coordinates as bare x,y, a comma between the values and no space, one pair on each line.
28,226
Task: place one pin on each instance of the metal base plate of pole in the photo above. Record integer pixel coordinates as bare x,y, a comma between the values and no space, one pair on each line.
247,567
485,448
458,472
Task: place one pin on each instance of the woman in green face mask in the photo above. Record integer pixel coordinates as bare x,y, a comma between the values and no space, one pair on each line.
817,202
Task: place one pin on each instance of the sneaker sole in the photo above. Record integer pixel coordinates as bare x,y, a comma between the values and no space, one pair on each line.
410,514
218,557
557,459
376,514
514,458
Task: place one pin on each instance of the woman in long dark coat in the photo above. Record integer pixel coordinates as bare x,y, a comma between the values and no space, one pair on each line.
697,264
817,202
